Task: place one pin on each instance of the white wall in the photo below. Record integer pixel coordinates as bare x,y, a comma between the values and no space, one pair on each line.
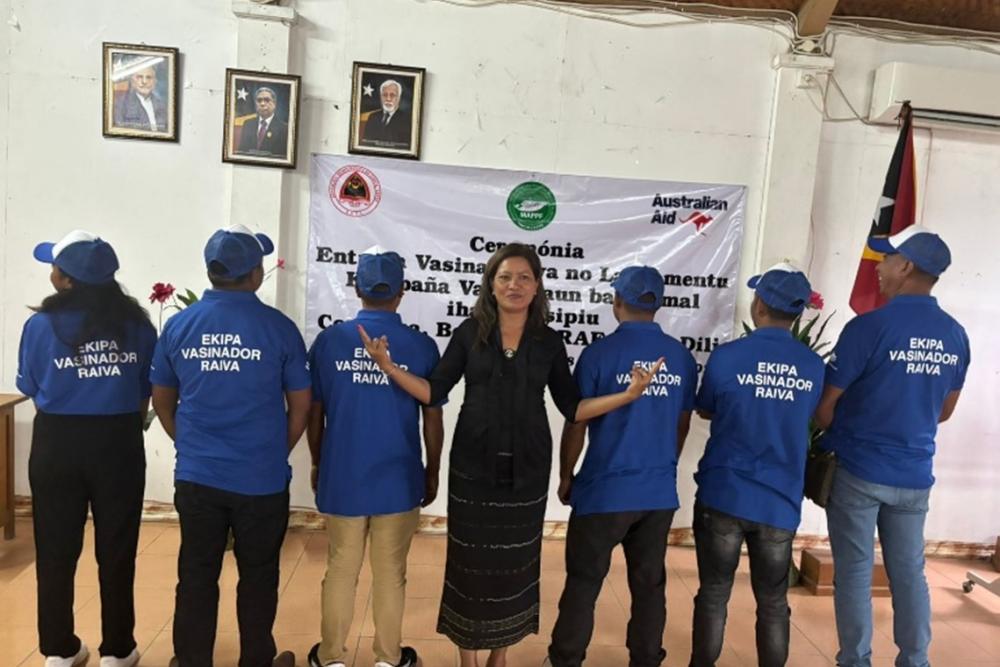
507,87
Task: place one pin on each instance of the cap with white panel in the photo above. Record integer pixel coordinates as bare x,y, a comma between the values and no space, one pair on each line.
81,255
236,251
784,287
918,244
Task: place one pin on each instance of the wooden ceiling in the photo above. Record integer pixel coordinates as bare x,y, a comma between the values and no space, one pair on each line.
934,14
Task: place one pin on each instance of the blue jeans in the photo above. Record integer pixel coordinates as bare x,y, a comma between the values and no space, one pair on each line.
855,508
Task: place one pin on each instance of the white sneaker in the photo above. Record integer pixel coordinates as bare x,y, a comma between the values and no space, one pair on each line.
78,660
130,660
407,659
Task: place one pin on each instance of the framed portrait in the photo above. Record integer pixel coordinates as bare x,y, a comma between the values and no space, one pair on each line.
262,118
140,91
386,106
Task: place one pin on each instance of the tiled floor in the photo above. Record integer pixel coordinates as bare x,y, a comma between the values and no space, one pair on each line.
966,627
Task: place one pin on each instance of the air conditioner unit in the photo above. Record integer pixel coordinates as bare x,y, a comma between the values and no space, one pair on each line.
939,96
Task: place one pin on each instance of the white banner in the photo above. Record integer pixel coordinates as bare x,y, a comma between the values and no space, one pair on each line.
447,221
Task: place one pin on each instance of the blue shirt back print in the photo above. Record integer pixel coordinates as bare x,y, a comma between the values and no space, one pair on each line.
631,459
371,458
761,391
99,377
232,358
896,366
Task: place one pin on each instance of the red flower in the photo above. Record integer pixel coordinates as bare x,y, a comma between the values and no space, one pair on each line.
161,292
816,301
281,263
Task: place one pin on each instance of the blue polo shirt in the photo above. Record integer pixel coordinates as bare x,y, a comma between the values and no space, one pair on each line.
370,462
100,377
761,391
896,365
232,359
631,459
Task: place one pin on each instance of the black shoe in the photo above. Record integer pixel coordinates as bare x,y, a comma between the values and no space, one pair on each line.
313,659
408,658
284,659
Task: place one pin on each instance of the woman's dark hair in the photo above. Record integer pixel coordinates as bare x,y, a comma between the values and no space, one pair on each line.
107,309
485,310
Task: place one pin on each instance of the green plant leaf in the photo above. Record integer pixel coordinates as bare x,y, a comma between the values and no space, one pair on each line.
822,327
187,298
808,327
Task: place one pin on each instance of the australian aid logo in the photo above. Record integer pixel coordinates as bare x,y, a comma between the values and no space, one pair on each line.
697,211
355,190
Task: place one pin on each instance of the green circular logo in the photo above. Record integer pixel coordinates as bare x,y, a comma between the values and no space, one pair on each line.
531,206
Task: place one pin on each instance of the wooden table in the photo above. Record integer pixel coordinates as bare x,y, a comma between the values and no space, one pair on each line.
7,403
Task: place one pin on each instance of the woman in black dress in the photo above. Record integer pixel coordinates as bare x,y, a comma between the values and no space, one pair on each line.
501,455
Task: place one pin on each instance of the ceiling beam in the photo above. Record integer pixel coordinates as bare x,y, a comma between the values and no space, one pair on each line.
814,15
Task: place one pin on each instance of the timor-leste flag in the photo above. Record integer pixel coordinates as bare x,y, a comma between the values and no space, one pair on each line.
896,210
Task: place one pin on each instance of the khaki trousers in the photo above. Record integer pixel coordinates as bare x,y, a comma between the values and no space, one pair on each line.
390,536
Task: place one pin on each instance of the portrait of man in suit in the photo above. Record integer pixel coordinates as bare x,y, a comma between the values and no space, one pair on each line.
385,110
140,91
260,124
141,107
390,126
266,134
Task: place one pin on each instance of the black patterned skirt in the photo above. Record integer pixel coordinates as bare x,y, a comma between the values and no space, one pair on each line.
490,597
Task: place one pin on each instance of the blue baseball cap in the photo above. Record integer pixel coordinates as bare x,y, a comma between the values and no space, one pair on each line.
635,282
378,268
919,245
238,250
82,256
783,287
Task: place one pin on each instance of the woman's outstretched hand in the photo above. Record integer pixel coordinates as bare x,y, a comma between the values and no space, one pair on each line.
377,348
641,378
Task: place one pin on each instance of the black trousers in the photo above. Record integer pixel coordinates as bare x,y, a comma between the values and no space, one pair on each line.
76,462
258,524
718,538
589,542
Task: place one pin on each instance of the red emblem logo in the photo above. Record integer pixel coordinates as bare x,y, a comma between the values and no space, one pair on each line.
355,190
698,219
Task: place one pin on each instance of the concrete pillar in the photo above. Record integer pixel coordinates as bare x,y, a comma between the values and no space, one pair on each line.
255,193
796,125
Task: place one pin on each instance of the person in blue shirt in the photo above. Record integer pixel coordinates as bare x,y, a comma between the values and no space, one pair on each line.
238,369
626,490
84,359
365,442
895,373
760,393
